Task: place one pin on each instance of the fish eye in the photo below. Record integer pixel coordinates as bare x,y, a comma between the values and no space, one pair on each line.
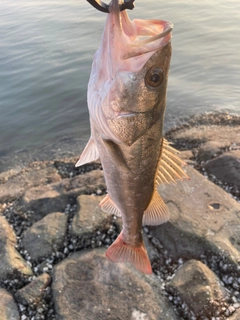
154,77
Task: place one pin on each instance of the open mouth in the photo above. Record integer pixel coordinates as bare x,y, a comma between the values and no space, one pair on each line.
149,40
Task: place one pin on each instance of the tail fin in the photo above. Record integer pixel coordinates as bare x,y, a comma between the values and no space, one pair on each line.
119,251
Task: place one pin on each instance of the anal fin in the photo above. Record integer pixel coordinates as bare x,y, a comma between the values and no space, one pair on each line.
120,251
108,206
156,212
89,154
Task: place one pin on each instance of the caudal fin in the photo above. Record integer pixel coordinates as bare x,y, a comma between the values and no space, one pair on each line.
119,251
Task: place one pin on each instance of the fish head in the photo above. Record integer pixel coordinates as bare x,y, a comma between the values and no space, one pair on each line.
128,83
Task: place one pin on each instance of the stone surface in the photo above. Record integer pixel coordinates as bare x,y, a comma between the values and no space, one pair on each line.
199,134
88,286
204,218
204,225
226,168
55,196
34,291
15,182
211,149
199,288
89,216
236,315
8,307
10,259
45,236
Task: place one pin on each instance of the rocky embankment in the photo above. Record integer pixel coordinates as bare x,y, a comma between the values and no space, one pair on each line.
53,236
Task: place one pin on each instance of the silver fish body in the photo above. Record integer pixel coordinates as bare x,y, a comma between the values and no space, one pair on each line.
127,100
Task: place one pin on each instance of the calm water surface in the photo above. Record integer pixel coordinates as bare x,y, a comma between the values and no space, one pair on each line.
46,50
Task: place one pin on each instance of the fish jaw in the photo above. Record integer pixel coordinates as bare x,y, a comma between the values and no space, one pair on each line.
117,92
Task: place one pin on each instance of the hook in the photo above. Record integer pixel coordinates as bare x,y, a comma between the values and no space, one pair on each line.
103,7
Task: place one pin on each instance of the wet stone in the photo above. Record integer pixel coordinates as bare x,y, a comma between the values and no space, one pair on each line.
211,149
14,184
11,260
88,286
8,307
235,315
226,168
199,288
34,291
45,236
203,219
55,196
89,216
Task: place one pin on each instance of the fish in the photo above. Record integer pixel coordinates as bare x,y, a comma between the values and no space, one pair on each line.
126,101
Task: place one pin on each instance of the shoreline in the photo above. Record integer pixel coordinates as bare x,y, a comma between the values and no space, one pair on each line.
54,235
72,146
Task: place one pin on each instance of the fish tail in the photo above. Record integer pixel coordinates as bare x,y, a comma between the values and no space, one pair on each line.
120,251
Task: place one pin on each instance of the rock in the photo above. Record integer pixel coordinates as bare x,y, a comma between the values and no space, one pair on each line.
45,236
235,316
186,155
211,149
226,168
55,196
204,220
88,286
151,250
189,137
11,260
89,216
8,307
199,288
15,183
34,291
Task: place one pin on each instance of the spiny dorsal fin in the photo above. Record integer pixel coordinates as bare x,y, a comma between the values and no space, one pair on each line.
156,212
108,206
89,154
169,166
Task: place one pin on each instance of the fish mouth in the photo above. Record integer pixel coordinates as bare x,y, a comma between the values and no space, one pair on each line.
150,43
133,41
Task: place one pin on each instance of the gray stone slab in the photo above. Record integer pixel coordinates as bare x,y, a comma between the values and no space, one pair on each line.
204,219
226,168
33,292
8,307
88,286
199,288
15,182
10,259
89,216
55,196
45,236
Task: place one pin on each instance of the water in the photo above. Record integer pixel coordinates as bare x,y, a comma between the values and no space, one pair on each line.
46,50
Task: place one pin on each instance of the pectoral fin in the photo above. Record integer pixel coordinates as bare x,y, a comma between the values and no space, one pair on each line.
169,166
156,212
108,206
89,154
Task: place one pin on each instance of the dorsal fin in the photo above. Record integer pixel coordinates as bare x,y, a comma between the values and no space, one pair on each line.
89,154
108,206
170,166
